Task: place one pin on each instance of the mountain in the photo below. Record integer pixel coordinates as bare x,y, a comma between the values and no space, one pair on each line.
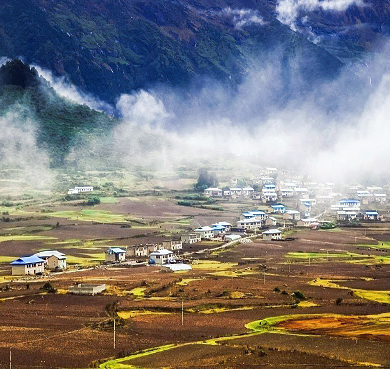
110,47
60,123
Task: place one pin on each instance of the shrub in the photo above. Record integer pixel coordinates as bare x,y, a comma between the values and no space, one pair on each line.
339,301
276,289
299,295
48,287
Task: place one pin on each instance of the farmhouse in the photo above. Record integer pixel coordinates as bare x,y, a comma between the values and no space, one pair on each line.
301,190
53,259
227,225
254,214
344,215
28,265
232,237
80,189
278,208
87,289
218,229
308,222
161,257
251,224
350,203
271,221
267,180
269,196
213,192
292,215
247,191
272,234
380,197
137,250
287,192
204,232
115,254
235,192
190,238
151,247
172,245
371,215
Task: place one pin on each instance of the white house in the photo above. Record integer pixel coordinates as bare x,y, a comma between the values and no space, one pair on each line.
292,215
205,232
259,214
266,180
301,190
250,224
347,214
115,254
308,222
247,191
190,238
161,257
272,234
28,265
278,208
84,189
232,237
350,203
269,196
80,189
227,225
371,215
380,197
271,170
213,192
53,259
138,250
270,221
287,192
172,245
235,192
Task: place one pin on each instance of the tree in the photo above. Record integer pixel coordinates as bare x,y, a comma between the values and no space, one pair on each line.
205,180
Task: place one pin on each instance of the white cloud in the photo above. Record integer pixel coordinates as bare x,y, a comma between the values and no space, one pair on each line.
289,10
142,107
71,92
244,17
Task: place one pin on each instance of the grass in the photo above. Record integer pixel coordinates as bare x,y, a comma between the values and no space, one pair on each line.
135,313
108,200
138,292
186,281
89,259
382,297
7,259
321,255
212,265
25,238
89,215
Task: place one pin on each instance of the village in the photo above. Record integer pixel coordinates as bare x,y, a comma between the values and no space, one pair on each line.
283,206
113,268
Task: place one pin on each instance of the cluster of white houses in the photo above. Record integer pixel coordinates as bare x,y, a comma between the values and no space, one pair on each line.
117,254
37,263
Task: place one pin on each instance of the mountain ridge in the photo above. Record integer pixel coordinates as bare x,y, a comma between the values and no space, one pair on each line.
109,47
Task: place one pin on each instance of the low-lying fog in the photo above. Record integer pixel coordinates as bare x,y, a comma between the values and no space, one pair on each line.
335,131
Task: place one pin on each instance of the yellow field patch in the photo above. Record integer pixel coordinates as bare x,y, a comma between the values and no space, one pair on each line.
135,313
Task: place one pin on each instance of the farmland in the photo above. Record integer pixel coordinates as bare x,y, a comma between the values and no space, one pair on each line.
319,299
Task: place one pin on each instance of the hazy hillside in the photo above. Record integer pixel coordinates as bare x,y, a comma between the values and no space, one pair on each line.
110,47
57,124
